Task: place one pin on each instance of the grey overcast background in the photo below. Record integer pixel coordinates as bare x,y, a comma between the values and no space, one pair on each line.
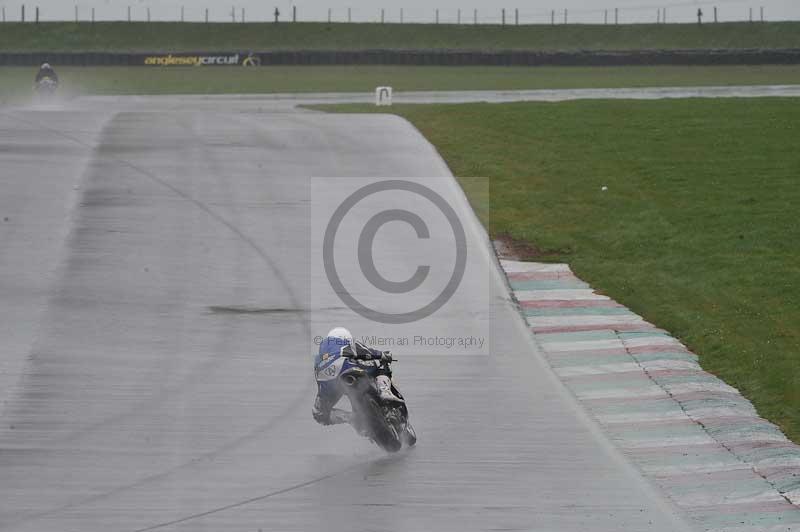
537,11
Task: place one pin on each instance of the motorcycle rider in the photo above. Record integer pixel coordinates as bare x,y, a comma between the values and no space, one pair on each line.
46,71
340,341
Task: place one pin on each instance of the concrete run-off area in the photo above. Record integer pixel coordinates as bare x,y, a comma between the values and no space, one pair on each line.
693,435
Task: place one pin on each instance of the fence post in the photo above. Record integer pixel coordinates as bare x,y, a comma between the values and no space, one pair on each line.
22,16
349,17
294,13
4,13
605,17
37,14
401,15
206,15
382,16
76,14
233,13
762,13
92,15
129,13
503,16
329,15
182,14
553,17
475,17
565,16
751,14
616,16
516,16
715,14
437,16
148,14
658,16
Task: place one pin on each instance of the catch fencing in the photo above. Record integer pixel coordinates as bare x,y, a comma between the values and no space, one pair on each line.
680,12
411,57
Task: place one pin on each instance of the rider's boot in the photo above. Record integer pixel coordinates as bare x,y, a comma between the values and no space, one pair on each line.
339,416
385,389
333,416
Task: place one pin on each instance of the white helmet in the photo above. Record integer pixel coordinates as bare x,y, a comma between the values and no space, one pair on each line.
46,66
340,333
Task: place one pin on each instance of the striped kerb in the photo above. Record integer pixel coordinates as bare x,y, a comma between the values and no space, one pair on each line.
690,433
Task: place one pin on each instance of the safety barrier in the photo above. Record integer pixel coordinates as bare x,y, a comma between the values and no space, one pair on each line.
411,57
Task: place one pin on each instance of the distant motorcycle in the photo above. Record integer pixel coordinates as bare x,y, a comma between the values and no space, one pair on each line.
385,423
45,87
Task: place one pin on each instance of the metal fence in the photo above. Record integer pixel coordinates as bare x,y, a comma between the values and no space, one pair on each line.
698,12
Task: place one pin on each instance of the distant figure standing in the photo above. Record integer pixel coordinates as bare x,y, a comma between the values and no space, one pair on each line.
699,16
277,14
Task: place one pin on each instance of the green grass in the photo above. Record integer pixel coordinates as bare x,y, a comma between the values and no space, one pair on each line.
697,232
171,36
15,82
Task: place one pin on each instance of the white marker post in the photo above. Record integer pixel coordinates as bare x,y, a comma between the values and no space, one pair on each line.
383,96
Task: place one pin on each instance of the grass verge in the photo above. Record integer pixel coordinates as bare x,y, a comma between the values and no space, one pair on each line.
15,82
174,36
697,231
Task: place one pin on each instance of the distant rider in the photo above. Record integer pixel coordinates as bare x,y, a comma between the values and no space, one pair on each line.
340,341
46,72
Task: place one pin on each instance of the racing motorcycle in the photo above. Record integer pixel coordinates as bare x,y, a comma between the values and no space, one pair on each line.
45,87
385,423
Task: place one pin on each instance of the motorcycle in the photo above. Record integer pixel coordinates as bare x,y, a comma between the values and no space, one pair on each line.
385,423
45,87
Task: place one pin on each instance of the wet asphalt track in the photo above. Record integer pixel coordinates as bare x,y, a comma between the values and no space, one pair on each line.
287,101
158,297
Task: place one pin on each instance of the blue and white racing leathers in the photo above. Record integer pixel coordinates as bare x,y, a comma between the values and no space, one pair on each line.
328,392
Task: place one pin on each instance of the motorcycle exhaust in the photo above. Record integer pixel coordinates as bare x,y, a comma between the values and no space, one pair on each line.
349,380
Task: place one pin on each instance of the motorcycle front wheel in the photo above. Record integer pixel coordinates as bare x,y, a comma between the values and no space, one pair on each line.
383,432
